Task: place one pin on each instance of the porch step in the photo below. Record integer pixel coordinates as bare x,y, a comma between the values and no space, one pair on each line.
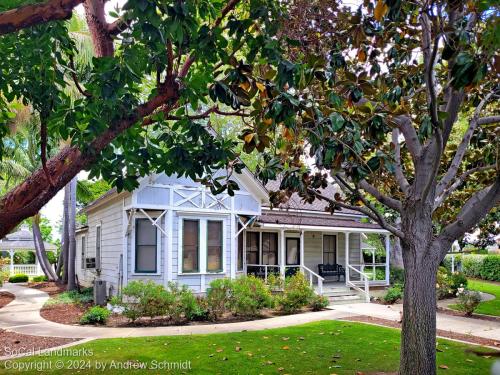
343,300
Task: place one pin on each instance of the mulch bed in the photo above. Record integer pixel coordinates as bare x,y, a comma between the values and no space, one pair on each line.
439,332
49,287
473,316
64,313
16,343
6,298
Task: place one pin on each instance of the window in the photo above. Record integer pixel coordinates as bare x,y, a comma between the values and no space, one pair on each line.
190,244
253,247
97,260
329,249
145,246
214,246
269,248
240,248
292,251
90,263
83,253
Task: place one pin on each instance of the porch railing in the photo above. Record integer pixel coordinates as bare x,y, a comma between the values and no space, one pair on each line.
363,278
27,269
370,269
312,275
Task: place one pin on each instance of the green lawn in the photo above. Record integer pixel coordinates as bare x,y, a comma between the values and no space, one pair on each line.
328,347
487,307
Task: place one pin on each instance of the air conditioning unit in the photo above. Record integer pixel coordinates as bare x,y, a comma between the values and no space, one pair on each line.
100,292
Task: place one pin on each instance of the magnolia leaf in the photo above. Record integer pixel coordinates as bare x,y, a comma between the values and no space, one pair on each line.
380,10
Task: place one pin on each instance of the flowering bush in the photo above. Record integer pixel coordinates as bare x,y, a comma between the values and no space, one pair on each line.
468,300
297,294
447,283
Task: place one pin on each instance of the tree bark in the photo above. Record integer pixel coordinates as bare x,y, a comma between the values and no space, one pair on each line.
71,236
34,14
65,235
396,255
40,251
98,27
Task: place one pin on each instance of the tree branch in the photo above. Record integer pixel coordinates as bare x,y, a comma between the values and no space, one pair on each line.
404,124
398,169
462,148
382,198
429,61
30,15
472,212
488,120
75,78
362,210
118,26
458,181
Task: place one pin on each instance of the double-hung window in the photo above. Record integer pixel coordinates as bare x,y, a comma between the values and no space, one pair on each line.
253,247
146,241
98,244
269,248
83,253
202,246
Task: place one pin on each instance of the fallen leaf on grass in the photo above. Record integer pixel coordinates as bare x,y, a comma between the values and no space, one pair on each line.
237,349
286,347
281,369
444,367
219,350
285,338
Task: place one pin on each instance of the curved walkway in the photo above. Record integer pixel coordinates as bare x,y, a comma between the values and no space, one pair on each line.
23,316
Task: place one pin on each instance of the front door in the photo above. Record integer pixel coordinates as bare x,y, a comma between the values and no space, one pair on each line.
292,251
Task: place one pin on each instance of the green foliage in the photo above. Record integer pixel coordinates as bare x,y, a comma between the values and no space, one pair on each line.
397,275
19,278
95,315
458,280
38,279
472,264
249,295
468,301
183,305
24,257
145,299
88,191
219,296
490,269
4,270
275,282
297,294
72,297
319,303
394,294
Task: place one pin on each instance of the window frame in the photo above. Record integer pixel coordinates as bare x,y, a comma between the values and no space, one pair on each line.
277,246
98,254
83,252
202,244
297,239
259,247
336,242
221,244
133,251
136,227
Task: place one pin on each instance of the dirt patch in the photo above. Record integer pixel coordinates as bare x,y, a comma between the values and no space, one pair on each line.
50,287
6,298
16,343
439,332
63,313
447,311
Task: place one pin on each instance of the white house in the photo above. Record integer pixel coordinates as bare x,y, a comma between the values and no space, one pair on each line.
174,229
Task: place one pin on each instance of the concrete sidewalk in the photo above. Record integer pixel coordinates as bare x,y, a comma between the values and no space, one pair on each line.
22,316
467,326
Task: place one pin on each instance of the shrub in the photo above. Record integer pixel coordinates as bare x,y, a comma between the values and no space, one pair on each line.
183,305
95,315
318,303
458,280
72,297
145,299
397,276
275,282
219,297
443,284
468,300
37,279
249,296
202,311
472,264
4,271
297,294
19,278
490,269
394,294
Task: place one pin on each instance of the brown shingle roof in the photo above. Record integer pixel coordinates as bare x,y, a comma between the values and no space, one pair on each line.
289,218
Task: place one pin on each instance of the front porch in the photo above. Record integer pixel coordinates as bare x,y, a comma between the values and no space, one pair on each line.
283,250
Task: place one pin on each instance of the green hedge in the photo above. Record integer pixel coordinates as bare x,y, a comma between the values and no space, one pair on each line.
19,278
486,267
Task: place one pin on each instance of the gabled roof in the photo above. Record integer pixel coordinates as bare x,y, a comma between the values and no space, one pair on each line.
22,240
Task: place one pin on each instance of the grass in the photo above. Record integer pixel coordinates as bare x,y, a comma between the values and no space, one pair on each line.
487,307
72,297
325,347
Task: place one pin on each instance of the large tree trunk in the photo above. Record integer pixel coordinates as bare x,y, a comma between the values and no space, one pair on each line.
396,255
421,261
71,257
65,235
41,255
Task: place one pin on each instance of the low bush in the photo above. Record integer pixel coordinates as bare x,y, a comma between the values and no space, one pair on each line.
73,297
468,300
275,282
145,299
490,269
458,280
38,279
4,270
19,278
319,303
472,264
394,294
219,296
298,294
95,315
183,305
249,295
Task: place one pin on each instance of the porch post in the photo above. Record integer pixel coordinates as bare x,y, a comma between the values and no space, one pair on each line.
387,256
282,254
301,248
347,273
11,253
234,250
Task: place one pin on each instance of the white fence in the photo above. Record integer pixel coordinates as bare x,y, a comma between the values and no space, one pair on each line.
27,269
